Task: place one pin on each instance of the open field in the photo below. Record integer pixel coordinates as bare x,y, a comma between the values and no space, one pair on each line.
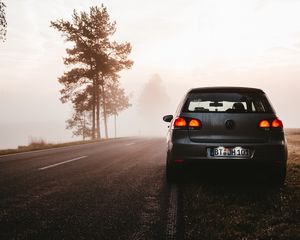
293,139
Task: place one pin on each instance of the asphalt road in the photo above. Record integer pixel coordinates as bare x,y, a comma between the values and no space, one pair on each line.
108,190
116,189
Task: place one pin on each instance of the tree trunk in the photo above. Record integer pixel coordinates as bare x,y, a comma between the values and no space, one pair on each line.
115,118
98,111
94,112
93,103
83,130
104,111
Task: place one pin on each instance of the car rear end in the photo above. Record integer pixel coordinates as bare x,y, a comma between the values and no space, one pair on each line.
227,126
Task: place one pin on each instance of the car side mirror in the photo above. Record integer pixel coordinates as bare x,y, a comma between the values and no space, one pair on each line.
168,118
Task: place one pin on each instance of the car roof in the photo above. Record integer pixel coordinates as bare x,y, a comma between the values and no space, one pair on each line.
225,89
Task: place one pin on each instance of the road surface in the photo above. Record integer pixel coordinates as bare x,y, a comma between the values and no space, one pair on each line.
116,189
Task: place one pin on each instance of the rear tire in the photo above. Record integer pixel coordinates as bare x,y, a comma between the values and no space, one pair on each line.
278,176
170,173
171,170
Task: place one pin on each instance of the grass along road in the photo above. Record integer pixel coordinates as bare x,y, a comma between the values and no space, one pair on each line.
226,210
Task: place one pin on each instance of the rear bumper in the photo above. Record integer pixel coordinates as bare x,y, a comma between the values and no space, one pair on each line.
263,154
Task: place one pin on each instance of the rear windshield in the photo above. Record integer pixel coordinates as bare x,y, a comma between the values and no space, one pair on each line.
227,102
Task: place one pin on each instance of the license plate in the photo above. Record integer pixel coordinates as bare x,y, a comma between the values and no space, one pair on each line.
230,152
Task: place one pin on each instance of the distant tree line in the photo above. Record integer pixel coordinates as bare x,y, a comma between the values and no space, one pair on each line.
3,23
91,83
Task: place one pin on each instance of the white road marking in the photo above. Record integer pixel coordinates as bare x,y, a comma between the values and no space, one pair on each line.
60,163
129,144
172,214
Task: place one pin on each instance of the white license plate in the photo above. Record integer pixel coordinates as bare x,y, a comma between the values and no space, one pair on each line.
230,152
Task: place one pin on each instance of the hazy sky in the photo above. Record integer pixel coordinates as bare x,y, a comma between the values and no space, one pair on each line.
189,43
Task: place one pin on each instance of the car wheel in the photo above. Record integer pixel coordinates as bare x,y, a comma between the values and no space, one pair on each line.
171,170
170,173
278,176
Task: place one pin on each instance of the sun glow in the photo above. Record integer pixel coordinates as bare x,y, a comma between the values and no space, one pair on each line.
234,33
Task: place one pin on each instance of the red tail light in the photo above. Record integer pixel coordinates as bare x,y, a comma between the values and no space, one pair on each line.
179,161
183,123
264,124
180,122
194,123
277,123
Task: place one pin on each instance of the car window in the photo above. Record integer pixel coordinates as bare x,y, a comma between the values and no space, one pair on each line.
227,102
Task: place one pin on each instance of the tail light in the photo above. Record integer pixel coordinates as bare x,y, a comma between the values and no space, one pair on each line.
194,123
179,161
264,124
180,122
277,123
183,123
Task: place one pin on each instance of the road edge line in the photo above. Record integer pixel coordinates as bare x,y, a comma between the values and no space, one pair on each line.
172,214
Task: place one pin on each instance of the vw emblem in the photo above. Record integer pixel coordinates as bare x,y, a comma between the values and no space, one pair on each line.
229,124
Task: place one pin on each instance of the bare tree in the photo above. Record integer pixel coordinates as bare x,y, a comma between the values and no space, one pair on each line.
81,124
116,102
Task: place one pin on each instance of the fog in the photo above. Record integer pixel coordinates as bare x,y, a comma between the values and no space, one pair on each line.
181,44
